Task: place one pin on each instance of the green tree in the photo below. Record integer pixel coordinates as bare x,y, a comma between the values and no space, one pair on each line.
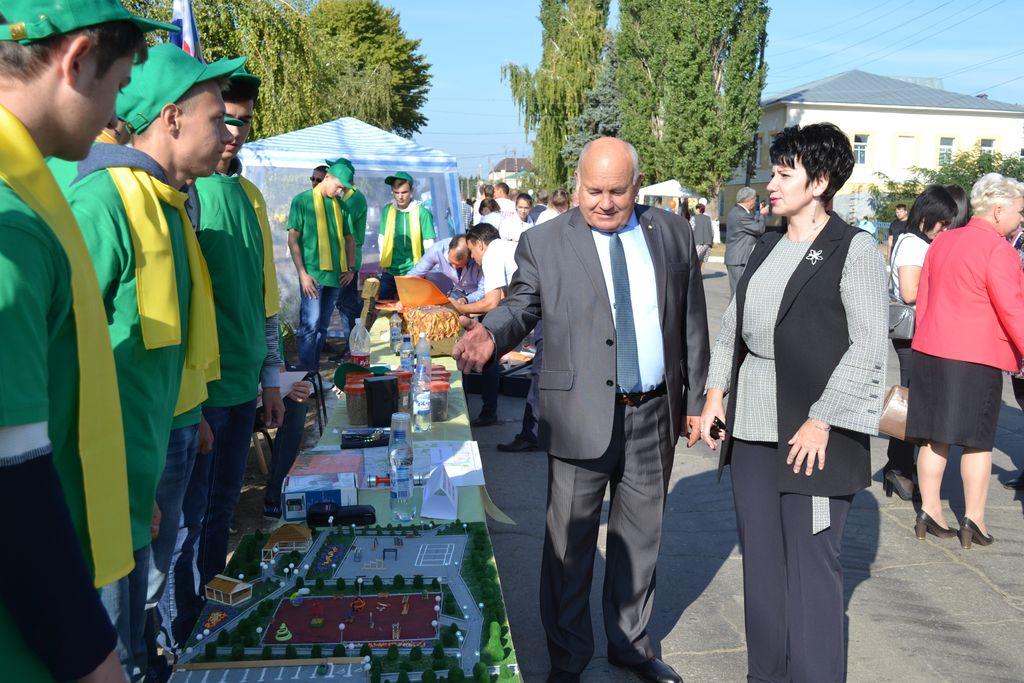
210,651
237,651
493,650
319,582
398,581
365,650
480,673
392,653
456,674
403,677
693,72
223,638
340,584
316,652
290,652
416,654
552,96
505,674
428,676
339,650
602,115
267,653
438,653
364,40
417,581
378,583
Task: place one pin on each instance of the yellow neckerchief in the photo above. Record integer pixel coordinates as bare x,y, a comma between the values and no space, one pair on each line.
323,240
106,137
389,233
271,300
348,194
155,285
100,431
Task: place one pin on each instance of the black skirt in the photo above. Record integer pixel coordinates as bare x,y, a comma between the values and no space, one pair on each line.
953,402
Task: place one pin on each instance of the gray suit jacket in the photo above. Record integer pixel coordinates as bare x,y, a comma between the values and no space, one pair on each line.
742,230
560,280
703,230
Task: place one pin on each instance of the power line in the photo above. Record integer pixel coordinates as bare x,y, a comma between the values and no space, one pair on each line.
842,22
972,67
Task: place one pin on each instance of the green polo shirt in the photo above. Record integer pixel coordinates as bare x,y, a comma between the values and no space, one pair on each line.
355,221
229,234
402,259
148,379
302,218
39,367
63,171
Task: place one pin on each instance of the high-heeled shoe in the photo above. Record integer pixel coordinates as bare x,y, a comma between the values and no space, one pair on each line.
903,486
926,525
969,532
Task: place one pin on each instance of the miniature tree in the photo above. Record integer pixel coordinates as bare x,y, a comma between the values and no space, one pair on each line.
403,677
378,583
223,638
320,583
211,651
299,582
340,585
374,675
267,653
447,638
339,651
290,652
435,585
365,650
237,651
398,581
380,532
417,581
493,651
316,652
455,674
480,673
505,674
428,676
416,654
392,653
404,666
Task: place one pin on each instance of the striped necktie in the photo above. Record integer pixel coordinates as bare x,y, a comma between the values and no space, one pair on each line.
627,361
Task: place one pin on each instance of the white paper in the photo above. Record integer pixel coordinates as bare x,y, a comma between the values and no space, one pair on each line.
440,496
460,458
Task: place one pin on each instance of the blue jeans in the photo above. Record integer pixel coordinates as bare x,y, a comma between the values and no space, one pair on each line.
125,602
170,495
286,447
350,306
213,492
314,317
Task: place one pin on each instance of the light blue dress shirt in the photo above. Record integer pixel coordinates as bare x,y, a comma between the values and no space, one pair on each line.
643,294
471,281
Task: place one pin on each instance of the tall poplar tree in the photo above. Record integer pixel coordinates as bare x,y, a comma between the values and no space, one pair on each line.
692,72
551,97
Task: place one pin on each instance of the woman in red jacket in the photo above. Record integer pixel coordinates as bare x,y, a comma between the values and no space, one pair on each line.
970,327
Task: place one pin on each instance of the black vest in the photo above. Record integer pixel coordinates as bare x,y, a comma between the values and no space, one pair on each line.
811,336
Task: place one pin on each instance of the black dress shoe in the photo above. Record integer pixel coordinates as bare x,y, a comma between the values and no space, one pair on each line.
653,670
924,524
559,676
484,420
971,533
1015,484
518,445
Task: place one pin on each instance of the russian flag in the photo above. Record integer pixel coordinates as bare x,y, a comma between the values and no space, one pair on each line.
188,39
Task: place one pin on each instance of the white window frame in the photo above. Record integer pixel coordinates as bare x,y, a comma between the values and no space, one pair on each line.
860,148
946,151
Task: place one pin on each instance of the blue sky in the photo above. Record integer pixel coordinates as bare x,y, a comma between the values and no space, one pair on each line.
974,46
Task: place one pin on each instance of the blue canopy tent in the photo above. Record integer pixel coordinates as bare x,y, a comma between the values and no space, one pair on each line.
281,165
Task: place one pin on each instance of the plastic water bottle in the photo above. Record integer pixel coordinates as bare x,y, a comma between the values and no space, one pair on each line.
406,354
423,350
403,507
421,398
395,323
359,344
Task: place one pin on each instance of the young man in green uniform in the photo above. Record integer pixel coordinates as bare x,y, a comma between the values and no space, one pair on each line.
350,306
62,454
234,234
154,282
323,251
406,231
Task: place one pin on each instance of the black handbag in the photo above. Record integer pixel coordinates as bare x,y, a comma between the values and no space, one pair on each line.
902,317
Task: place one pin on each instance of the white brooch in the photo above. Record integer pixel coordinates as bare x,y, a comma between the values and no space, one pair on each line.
814,255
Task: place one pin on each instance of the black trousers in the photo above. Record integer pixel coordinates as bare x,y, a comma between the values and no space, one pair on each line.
636,466
901,453
792,579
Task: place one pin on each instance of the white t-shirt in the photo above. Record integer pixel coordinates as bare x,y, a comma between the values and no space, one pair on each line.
494,218
508,207
546,215
511,228
909,250
499,264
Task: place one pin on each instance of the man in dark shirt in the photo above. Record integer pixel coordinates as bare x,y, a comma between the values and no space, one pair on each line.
897,227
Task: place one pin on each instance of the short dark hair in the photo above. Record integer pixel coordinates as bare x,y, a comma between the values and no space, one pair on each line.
700,208
526,196
963,206
560,199
491,205
934,205
457,240
241,91
901,206
485,233
111,41
321,167
542,196
821,148
487,190
502,186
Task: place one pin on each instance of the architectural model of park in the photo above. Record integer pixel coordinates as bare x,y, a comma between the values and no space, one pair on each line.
414,603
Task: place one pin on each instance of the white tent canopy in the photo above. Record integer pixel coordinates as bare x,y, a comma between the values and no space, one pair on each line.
667,188
281,165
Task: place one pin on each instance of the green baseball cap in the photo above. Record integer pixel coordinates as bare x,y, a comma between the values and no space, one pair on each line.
32,20
164,78
401,175
232,121
343,170
243,76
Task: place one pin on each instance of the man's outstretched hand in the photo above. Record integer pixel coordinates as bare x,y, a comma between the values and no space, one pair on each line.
474,348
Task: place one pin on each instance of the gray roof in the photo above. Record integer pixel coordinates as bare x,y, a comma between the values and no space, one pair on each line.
859,87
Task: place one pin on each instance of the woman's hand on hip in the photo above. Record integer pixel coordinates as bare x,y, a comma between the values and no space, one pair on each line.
808,446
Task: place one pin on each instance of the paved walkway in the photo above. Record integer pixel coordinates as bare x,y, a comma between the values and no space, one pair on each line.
917,611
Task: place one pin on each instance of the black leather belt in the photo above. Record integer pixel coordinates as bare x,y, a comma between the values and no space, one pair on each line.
641,397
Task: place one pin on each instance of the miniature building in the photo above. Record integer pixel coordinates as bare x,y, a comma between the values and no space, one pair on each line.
228,591
286,538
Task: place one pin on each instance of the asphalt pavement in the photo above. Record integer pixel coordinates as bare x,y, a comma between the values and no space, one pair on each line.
916,610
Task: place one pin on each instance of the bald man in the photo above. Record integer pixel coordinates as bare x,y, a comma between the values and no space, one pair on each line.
625,359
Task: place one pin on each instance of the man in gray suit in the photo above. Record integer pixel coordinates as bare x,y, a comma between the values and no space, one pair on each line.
625,359
743,226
